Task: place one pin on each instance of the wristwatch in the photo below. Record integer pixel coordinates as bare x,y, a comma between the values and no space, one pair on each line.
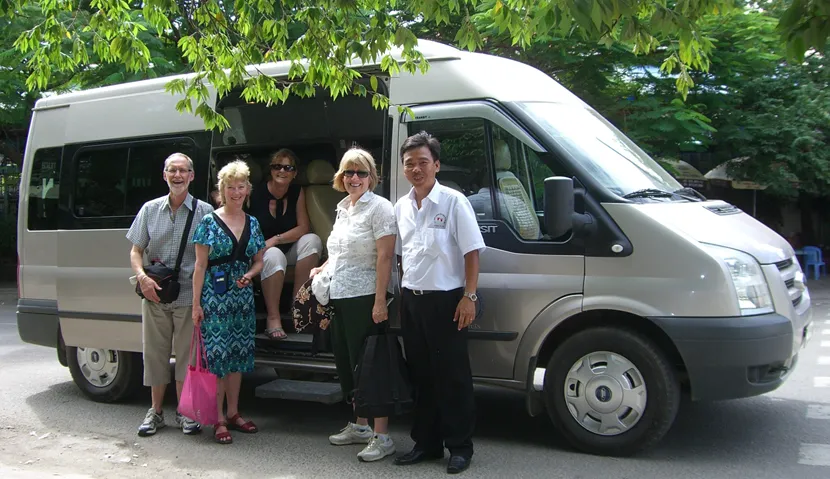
473,297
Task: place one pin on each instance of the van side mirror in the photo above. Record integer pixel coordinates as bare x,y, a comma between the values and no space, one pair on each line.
559,205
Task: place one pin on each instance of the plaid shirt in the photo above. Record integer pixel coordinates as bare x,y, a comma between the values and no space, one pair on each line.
158,231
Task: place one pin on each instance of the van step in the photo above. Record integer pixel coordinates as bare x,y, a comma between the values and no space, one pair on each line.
293,342
326,393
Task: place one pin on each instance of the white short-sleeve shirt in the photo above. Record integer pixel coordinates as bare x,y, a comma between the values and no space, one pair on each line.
352,246
432,241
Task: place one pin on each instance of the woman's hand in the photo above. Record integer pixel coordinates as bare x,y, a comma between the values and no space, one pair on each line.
243,282
380,312
198,314
314,272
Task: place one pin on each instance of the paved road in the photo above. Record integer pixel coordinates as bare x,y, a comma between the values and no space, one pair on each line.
782,434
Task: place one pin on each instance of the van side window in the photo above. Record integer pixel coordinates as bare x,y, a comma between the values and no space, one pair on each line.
144,171
116,181
464,164
516,160
520,179
44,189
100,182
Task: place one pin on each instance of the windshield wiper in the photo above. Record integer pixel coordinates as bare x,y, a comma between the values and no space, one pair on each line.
690,194
649,193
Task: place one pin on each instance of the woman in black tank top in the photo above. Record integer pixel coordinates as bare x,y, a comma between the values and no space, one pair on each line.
279,206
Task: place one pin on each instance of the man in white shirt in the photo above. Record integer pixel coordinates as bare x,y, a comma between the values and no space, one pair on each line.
438,246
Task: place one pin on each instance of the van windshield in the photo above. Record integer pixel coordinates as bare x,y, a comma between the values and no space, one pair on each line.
603,150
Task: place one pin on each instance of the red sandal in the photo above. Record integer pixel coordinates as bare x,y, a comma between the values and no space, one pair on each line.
222,437
246,427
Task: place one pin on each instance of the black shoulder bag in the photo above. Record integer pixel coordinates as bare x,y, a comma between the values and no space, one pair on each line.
166,278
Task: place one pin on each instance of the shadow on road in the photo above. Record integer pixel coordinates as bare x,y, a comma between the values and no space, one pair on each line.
729,430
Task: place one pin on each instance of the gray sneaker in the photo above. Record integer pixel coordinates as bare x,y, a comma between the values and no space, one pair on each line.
377,449
153,421
352,434
188,426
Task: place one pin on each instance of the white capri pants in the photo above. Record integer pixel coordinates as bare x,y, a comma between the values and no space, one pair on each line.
274,260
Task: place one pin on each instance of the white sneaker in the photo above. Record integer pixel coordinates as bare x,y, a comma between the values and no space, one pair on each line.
377,449
188,426
352,434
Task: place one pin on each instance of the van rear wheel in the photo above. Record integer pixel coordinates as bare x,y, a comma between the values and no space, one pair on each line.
611,391
105,375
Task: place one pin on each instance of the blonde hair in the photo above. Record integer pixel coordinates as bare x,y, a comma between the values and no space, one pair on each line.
236,170
363,160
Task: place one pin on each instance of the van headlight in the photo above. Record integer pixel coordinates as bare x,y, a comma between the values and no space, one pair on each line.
749,281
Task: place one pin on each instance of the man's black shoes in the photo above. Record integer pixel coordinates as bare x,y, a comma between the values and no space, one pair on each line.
458,464
416,455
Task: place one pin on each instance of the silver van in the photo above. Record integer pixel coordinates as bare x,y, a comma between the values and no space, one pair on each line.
607,290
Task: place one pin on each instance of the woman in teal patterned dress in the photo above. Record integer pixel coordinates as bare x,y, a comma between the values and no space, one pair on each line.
223,297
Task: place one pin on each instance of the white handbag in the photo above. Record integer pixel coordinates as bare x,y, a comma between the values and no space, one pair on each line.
320,286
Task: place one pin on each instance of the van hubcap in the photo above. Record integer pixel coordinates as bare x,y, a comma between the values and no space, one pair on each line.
99,366
605,393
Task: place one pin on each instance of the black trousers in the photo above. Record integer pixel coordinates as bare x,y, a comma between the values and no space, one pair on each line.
436,352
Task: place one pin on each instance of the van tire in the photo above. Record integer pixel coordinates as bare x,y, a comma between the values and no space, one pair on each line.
126,381
658,377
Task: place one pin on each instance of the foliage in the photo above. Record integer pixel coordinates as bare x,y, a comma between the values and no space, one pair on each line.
805,25
218,38
17,99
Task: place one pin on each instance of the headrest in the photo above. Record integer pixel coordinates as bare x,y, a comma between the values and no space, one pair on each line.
256,172
319,172
502,154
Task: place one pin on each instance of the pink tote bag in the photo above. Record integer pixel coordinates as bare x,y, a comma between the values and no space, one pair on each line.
199,392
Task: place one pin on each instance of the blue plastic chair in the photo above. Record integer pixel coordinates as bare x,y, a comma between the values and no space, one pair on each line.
813,257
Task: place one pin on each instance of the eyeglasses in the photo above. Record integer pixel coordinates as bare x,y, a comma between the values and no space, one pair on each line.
278,167
359,173
183,171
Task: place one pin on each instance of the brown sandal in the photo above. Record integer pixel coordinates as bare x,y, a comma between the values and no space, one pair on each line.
222,437
246,427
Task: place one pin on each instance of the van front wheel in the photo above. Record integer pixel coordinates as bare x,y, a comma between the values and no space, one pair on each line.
105,375
611,391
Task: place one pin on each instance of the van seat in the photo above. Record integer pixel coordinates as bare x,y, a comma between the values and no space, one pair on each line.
321,199
519,207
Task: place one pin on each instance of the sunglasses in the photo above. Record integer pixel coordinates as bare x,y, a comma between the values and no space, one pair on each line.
279,167
359,173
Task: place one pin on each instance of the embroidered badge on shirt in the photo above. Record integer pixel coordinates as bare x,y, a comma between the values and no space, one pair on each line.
440,221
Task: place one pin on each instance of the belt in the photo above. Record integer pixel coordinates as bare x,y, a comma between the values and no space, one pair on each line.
421,292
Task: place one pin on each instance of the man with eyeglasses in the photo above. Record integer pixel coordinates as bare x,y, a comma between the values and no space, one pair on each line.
157,233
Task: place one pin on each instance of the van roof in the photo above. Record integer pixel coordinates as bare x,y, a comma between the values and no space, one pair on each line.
431,50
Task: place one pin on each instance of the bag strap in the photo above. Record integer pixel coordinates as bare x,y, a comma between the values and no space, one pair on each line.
185,234
241,246
197,341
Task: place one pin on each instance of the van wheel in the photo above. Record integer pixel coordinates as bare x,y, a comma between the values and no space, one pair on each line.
105,375
611,391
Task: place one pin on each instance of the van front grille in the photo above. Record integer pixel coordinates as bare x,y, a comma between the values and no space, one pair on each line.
790,283
797,300
784,264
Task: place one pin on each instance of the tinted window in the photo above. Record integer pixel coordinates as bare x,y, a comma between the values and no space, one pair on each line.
117,180
464,165
44,189
101,182
144,171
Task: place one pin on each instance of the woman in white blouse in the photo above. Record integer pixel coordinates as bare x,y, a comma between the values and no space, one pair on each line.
360,247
